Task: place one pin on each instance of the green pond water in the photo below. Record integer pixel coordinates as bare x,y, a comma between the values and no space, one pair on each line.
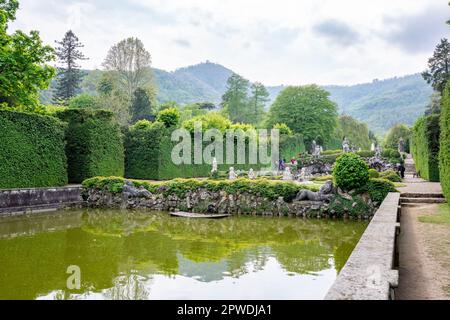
150,255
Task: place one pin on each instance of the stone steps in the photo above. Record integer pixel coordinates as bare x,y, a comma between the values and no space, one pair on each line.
421,195
422,200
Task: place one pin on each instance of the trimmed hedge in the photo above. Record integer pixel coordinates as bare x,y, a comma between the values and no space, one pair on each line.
32,151
94,144
425,147
262,187
148,149
444,152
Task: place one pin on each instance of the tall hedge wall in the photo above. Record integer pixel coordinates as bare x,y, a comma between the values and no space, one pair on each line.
444,152
94,144
425,147
148,149
31,151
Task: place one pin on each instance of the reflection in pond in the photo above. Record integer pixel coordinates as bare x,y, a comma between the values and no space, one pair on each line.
149,255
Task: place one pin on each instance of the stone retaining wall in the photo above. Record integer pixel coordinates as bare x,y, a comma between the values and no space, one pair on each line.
370,273
203,201
17,201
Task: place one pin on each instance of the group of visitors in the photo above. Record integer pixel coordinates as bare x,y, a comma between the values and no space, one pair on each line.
282,164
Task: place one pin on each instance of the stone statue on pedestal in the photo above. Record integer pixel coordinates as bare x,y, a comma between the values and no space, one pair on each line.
232,174
313,147
251,174
214,165
346,145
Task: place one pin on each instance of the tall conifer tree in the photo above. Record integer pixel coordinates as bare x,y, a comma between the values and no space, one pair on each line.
69,74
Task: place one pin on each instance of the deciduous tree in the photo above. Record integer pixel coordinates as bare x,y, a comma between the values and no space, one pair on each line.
306,110
23,62
131,61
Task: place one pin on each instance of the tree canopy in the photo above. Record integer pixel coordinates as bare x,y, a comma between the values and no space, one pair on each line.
131,61
306,110
235,99
357,132
395,133
23,62
439,64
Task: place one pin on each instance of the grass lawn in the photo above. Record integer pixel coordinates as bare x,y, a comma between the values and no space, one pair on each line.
442,215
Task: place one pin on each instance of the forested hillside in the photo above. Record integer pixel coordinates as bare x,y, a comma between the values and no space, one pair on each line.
374,103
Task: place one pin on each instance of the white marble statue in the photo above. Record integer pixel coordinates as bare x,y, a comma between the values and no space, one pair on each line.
313,147
372,148
346,145
287,175
251,174
318,151
232,174
214,165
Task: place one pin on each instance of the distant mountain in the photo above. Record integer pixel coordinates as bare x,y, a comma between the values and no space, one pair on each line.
202,82
380,104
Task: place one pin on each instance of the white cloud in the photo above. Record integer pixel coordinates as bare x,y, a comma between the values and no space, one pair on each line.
276,42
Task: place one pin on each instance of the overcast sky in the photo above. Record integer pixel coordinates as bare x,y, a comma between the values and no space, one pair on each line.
272,41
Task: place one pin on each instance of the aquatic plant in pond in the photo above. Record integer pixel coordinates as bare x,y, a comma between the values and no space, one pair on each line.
147,255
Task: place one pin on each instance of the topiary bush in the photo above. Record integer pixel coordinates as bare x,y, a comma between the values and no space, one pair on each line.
444,152
94,144
32,151
350,172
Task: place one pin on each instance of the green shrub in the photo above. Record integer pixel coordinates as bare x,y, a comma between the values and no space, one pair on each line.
390,175
323,178
425,147
390,153
94,144
366,154
82,101
350,172
284,129
271,190
328,152
393,137
170,117
377,189
354,208
212,120
32,151
444,152
374,173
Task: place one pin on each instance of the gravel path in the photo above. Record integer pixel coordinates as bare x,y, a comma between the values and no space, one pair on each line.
424,257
